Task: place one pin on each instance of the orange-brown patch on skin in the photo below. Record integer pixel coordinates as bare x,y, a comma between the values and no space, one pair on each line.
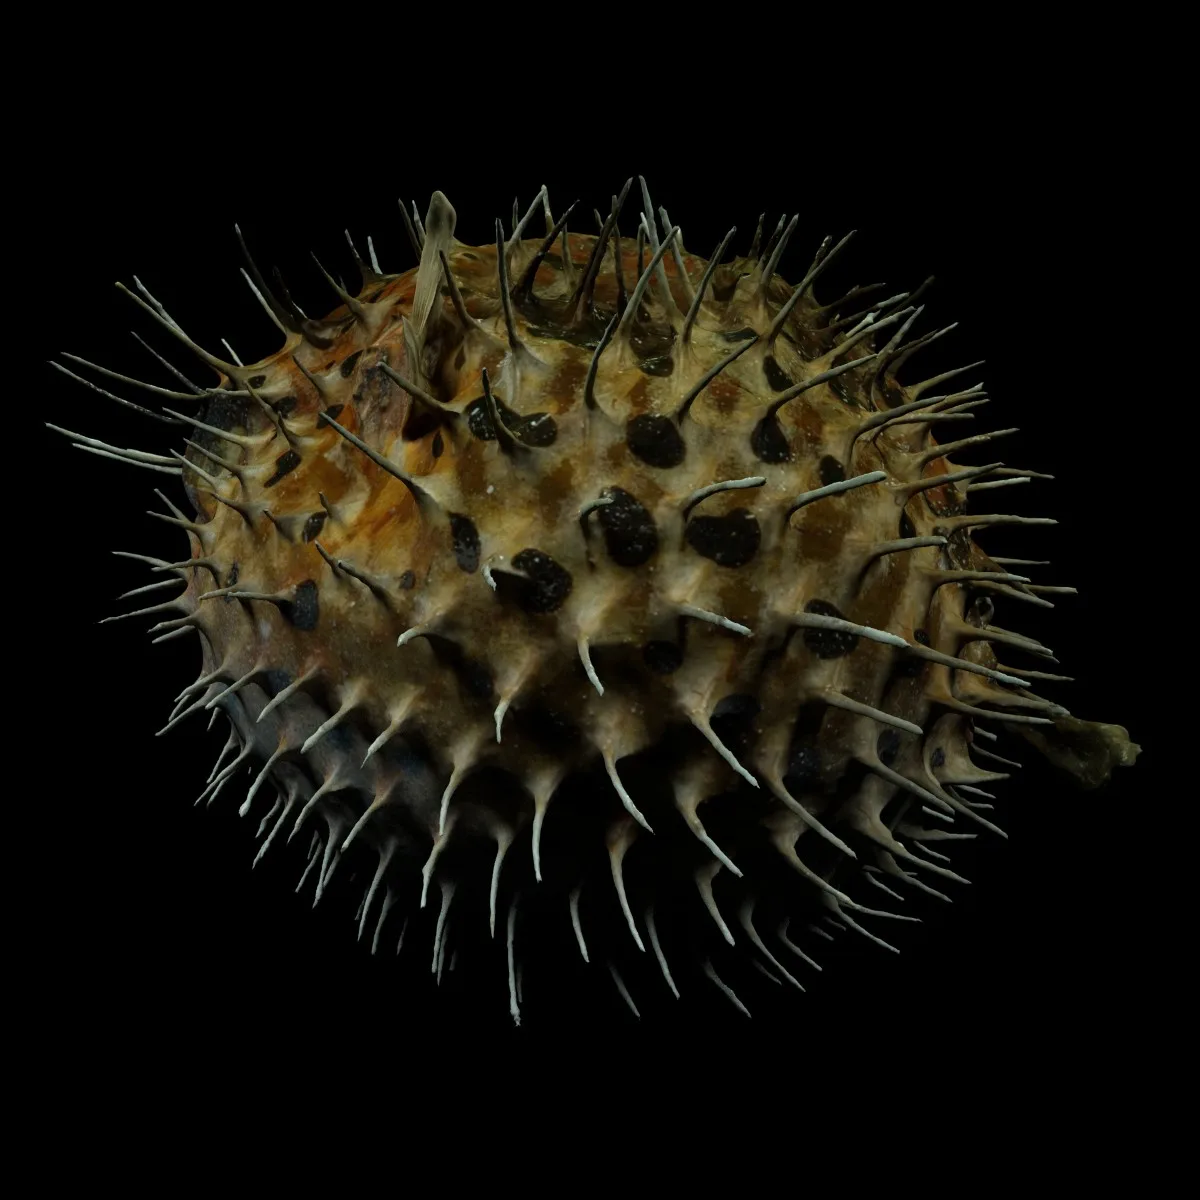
392,505
470,463
882,591
326,475
555,489
637,399
723,395
944,497
578,248
739,595
616,455
568,379
806,421
547,273
821,534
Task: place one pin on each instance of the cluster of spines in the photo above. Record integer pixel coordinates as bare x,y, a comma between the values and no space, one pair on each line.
924,411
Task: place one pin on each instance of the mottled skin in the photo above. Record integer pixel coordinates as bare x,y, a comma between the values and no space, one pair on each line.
301,487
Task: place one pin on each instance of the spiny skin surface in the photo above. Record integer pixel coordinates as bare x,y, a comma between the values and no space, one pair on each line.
481,623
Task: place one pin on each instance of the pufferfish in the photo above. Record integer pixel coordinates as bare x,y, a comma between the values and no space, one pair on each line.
584,574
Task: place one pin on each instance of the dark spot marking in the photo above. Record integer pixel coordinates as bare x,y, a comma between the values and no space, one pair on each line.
738,335
340,740
476,678
407,581
892,394
334,411
537,430
460,358
431,357
733,718
652,341
287,461
960,549
911,666
375,381
286,406
725,280
375,295
304,609
277,680
629,532
349,363
552,728
738,706
776,379
938,758
831,470
225,412
586,336
479,420
232,578
983,610
828,643
768,443
547,584
314,525
439,445
887,746
662,657
730,541
804,767
655,440
256,381
466,542
907,529
473,674
661,366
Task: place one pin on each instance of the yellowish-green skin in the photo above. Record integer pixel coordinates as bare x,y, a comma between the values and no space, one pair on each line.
376,556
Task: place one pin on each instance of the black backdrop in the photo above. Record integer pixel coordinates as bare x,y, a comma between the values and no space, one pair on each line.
168,945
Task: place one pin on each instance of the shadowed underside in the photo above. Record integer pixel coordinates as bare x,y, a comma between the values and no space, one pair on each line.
584,567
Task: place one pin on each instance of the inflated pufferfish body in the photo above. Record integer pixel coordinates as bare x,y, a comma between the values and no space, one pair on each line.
583,567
